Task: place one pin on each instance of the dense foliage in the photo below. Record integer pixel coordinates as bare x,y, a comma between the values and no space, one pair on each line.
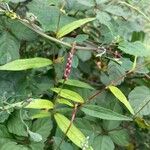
74,74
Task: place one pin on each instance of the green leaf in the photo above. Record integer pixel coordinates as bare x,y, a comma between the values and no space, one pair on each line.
115,10
40,104
120,137
111,124
88,3
64,101
139,98
74,134
16,126
43,127
48,15
17,1
21,31
23,64
72,26
103,113
41,114
35,136
64,146
134,48
9,48
104,18
5,136
84,55
13,146
121,97
77,83
68,94
75,61
114,71
103,142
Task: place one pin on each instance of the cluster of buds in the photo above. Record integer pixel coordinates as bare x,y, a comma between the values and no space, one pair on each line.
69,63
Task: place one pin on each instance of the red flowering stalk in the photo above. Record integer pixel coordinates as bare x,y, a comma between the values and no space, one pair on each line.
69,62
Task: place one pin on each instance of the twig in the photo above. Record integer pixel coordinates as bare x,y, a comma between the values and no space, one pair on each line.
116,80
71,122
141,109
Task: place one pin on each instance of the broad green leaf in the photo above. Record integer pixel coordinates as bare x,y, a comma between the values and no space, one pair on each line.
68,94
64,146
84,55
21,31
121,97
17,1
72,26
103,142
104,18
77,83
43,127
5,136
13,146
47,16
134,48
139,99
120,137
111,124
64,101
9,48
35,136
88,3
40,104
15,125
74,134
75,61
115,10
103,113
23,64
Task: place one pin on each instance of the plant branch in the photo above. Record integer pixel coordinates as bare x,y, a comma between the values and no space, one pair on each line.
116,80
141,108
71,122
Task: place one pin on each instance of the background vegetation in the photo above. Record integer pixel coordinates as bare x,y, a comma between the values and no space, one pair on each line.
74,74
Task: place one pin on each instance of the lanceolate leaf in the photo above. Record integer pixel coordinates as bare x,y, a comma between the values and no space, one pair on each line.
121,97
77,83
72,26
40,104
103,113
65,101
74,134
23,64
68,94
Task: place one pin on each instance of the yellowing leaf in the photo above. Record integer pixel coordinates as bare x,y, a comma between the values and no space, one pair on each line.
77,83
40,104
23,64
74,134
72,26
64,101
118,94
41,114
68,94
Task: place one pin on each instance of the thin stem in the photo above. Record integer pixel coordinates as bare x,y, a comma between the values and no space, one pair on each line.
141,108
114,81
71,122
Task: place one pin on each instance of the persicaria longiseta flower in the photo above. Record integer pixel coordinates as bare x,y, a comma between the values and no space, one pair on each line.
69,62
